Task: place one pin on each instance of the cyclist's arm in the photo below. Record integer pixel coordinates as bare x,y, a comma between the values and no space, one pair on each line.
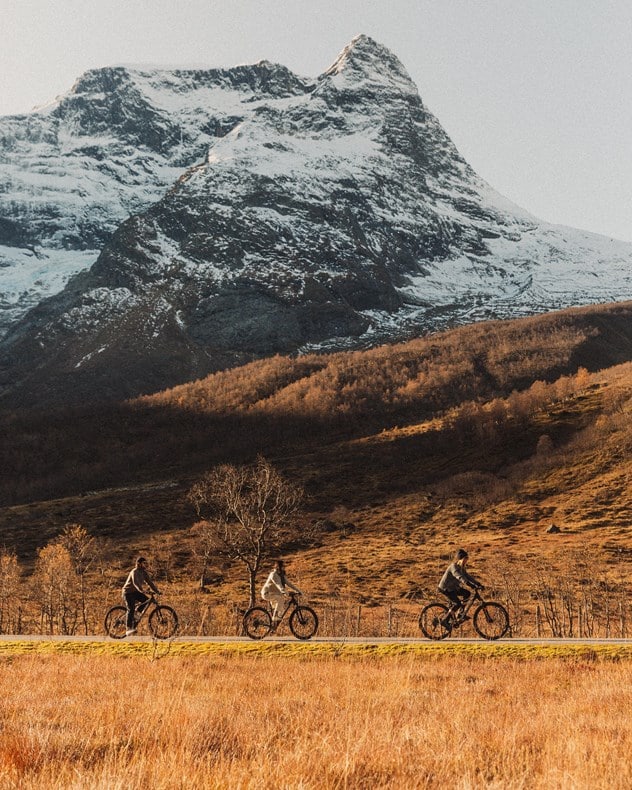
275,579
145,578
292,587
465,578
474,582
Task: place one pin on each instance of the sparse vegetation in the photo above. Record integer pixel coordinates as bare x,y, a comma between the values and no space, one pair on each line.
281,404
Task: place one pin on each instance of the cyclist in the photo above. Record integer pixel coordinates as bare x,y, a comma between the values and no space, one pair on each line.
133,594
275,589
455,581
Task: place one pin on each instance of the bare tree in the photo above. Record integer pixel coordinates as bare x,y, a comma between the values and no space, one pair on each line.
10,609
248,512
205,548
55,588
82,548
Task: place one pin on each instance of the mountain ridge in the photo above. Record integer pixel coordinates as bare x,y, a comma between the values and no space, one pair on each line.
327,214
76,168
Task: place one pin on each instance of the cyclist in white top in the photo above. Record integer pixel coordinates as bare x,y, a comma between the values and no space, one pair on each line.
275,590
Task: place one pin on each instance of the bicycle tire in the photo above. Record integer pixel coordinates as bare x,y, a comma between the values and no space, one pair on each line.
430,621
491,620
257,622
303,622
115,622
163,622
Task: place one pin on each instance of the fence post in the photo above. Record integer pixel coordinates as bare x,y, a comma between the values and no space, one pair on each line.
537,621
358,615
390,618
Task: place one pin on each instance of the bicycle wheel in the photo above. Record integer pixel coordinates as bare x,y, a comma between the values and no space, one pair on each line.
115,622
257,622
430,621
303,622
491,620
163,622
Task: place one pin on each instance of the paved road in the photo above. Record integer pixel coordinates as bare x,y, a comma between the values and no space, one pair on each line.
383,640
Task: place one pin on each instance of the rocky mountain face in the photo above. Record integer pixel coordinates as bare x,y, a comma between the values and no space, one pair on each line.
269,213
72,172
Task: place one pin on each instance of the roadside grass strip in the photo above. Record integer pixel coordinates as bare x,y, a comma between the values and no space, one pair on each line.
317,650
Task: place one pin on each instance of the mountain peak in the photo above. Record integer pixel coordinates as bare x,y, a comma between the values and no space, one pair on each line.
364,59
266,214
106,78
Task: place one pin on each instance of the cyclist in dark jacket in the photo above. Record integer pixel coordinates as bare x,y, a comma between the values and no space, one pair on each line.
133,593
455,581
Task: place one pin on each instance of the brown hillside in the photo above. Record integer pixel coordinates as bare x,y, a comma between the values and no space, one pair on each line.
395,505
481,437
285,404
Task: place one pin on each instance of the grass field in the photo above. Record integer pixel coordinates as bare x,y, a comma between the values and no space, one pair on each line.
307,720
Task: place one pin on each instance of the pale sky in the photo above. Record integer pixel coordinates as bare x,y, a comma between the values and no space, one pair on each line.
536,95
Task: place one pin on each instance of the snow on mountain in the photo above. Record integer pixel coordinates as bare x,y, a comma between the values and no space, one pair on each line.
270,214
72,171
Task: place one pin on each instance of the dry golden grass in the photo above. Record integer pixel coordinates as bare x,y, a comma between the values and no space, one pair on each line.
279,722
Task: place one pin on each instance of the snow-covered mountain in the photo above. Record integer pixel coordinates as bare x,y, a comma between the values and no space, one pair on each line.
271,213
72,171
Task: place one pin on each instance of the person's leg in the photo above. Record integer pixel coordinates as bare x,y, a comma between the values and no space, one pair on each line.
271,601
464,596
133,598
277,602
141,602
130,603
455,601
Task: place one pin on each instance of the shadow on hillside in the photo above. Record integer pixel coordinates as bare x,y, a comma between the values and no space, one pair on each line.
336,450
125,491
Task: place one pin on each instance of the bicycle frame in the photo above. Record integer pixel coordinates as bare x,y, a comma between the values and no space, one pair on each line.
291,604
140,613
459,617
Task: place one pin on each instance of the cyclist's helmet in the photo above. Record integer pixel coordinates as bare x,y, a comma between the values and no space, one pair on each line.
461,555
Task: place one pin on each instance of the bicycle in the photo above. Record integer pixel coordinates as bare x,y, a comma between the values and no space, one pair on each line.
257,621
490,619
162,620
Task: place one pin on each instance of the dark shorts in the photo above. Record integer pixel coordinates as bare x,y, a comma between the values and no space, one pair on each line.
457,597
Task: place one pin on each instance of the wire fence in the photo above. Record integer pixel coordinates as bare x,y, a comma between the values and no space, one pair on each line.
542,610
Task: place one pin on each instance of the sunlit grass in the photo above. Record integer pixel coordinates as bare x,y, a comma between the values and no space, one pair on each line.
269,720
321,650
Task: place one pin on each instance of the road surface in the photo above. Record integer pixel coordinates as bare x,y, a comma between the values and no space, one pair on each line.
381,640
